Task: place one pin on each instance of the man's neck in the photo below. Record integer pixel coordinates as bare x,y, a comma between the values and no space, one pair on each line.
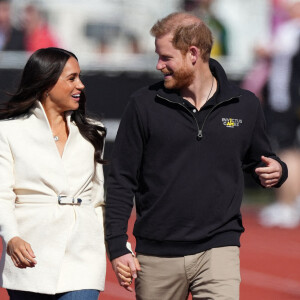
202,88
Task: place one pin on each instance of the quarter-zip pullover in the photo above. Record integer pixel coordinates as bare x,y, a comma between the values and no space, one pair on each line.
184,169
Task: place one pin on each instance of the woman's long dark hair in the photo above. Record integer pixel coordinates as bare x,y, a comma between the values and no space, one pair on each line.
41,73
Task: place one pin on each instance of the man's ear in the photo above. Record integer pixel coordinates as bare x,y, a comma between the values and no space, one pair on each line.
194,53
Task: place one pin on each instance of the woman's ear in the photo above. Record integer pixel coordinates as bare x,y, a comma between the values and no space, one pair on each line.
44,95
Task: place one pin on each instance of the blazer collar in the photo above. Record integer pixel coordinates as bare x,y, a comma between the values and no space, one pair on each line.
39,112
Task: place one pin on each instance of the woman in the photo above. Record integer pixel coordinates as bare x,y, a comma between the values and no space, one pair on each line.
51,185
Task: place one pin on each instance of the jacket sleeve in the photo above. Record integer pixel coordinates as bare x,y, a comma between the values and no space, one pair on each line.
8,222
98,191
260,145
123,180
98,183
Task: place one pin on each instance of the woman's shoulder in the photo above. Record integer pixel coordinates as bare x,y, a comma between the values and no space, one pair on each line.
4,123
15,124
8,127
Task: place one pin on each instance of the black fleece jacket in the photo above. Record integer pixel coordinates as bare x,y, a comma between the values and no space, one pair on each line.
184,170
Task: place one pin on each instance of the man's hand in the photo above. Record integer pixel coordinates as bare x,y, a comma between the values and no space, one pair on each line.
126,268
21,253
271,173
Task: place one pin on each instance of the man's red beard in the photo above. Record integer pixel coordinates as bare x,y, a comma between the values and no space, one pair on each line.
180,79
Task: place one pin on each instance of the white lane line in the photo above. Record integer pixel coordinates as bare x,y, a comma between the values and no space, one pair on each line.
280,284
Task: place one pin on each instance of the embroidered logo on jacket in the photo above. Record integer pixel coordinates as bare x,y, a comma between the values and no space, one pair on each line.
231,123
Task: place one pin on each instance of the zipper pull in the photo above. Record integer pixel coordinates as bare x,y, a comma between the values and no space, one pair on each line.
200,135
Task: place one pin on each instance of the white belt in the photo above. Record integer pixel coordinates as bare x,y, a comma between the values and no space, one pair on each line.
60,199
65,200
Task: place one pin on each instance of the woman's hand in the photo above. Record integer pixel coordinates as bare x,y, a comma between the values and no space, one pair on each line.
125,274
125,268
21,253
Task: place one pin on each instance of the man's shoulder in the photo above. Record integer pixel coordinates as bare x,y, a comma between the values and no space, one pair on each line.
248,97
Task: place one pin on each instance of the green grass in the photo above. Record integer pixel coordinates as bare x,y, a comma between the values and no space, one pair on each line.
258,196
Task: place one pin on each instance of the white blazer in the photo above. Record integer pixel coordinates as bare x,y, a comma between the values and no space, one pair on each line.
68,240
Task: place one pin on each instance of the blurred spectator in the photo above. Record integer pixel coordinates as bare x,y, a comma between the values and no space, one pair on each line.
37,32
11,38
279,14
282,119
202,9
256,79
106,34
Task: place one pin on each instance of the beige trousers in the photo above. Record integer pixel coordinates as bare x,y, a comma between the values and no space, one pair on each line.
212,274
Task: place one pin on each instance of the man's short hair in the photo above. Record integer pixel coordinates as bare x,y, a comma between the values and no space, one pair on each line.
187,31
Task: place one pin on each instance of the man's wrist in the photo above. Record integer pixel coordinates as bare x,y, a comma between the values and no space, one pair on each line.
116,247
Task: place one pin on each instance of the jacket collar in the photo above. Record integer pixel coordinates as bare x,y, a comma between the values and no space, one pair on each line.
226,90
39,112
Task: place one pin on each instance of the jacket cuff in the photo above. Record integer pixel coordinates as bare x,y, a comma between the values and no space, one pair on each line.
7,236
128,246
117,247
8,228
284,174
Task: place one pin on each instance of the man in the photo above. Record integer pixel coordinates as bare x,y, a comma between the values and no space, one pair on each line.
180,151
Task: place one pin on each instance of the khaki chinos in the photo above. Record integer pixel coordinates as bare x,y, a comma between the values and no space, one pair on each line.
212,274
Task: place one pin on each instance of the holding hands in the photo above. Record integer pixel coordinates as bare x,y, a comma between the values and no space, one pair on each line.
125,268
21,253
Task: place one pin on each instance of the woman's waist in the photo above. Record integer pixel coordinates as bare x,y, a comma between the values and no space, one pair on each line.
61,199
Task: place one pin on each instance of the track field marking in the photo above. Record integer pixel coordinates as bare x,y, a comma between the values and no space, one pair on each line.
259,279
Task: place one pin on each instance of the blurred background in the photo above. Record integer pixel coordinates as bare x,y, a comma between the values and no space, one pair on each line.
256,41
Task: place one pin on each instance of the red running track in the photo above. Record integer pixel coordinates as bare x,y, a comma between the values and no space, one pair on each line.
270,264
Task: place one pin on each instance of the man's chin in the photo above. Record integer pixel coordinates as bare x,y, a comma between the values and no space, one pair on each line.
173,85
169,84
